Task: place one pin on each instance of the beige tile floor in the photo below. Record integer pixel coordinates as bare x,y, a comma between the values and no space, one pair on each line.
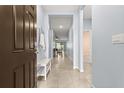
63,75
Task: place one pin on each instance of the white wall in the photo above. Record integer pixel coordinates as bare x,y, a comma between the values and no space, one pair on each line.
87,24
42,23
51,44
76,40
80,38
46,23
69,44
108,58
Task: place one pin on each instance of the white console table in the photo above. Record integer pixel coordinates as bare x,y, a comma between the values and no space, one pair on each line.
43,67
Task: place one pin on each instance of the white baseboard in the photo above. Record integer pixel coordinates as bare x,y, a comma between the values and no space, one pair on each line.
92,86
81,70
75,67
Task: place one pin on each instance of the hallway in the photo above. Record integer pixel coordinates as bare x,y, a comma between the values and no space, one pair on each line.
62,75
91,37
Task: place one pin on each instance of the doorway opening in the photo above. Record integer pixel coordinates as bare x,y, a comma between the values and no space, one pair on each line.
61,29
87,41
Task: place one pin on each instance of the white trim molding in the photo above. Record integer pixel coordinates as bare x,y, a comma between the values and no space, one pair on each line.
92,86
75,67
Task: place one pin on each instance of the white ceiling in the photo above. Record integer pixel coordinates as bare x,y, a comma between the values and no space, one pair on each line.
68,8
87,12
60,8
64,20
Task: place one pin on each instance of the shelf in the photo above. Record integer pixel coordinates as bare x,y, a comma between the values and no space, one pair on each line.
44,66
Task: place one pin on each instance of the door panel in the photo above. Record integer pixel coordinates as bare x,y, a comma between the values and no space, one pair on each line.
6,23
27,71
27,30
18,27
18,77
17,59
31,74
31,32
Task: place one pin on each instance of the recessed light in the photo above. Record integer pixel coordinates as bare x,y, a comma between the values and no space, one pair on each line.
60,26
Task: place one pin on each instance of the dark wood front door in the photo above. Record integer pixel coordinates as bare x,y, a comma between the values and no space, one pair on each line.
17,46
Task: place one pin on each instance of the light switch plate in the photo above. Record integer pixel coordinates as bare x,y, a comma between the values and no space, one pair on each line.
118,38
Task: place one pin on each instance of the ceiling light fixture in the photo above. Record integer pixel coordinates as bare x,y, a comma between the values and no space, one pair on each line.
60,26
